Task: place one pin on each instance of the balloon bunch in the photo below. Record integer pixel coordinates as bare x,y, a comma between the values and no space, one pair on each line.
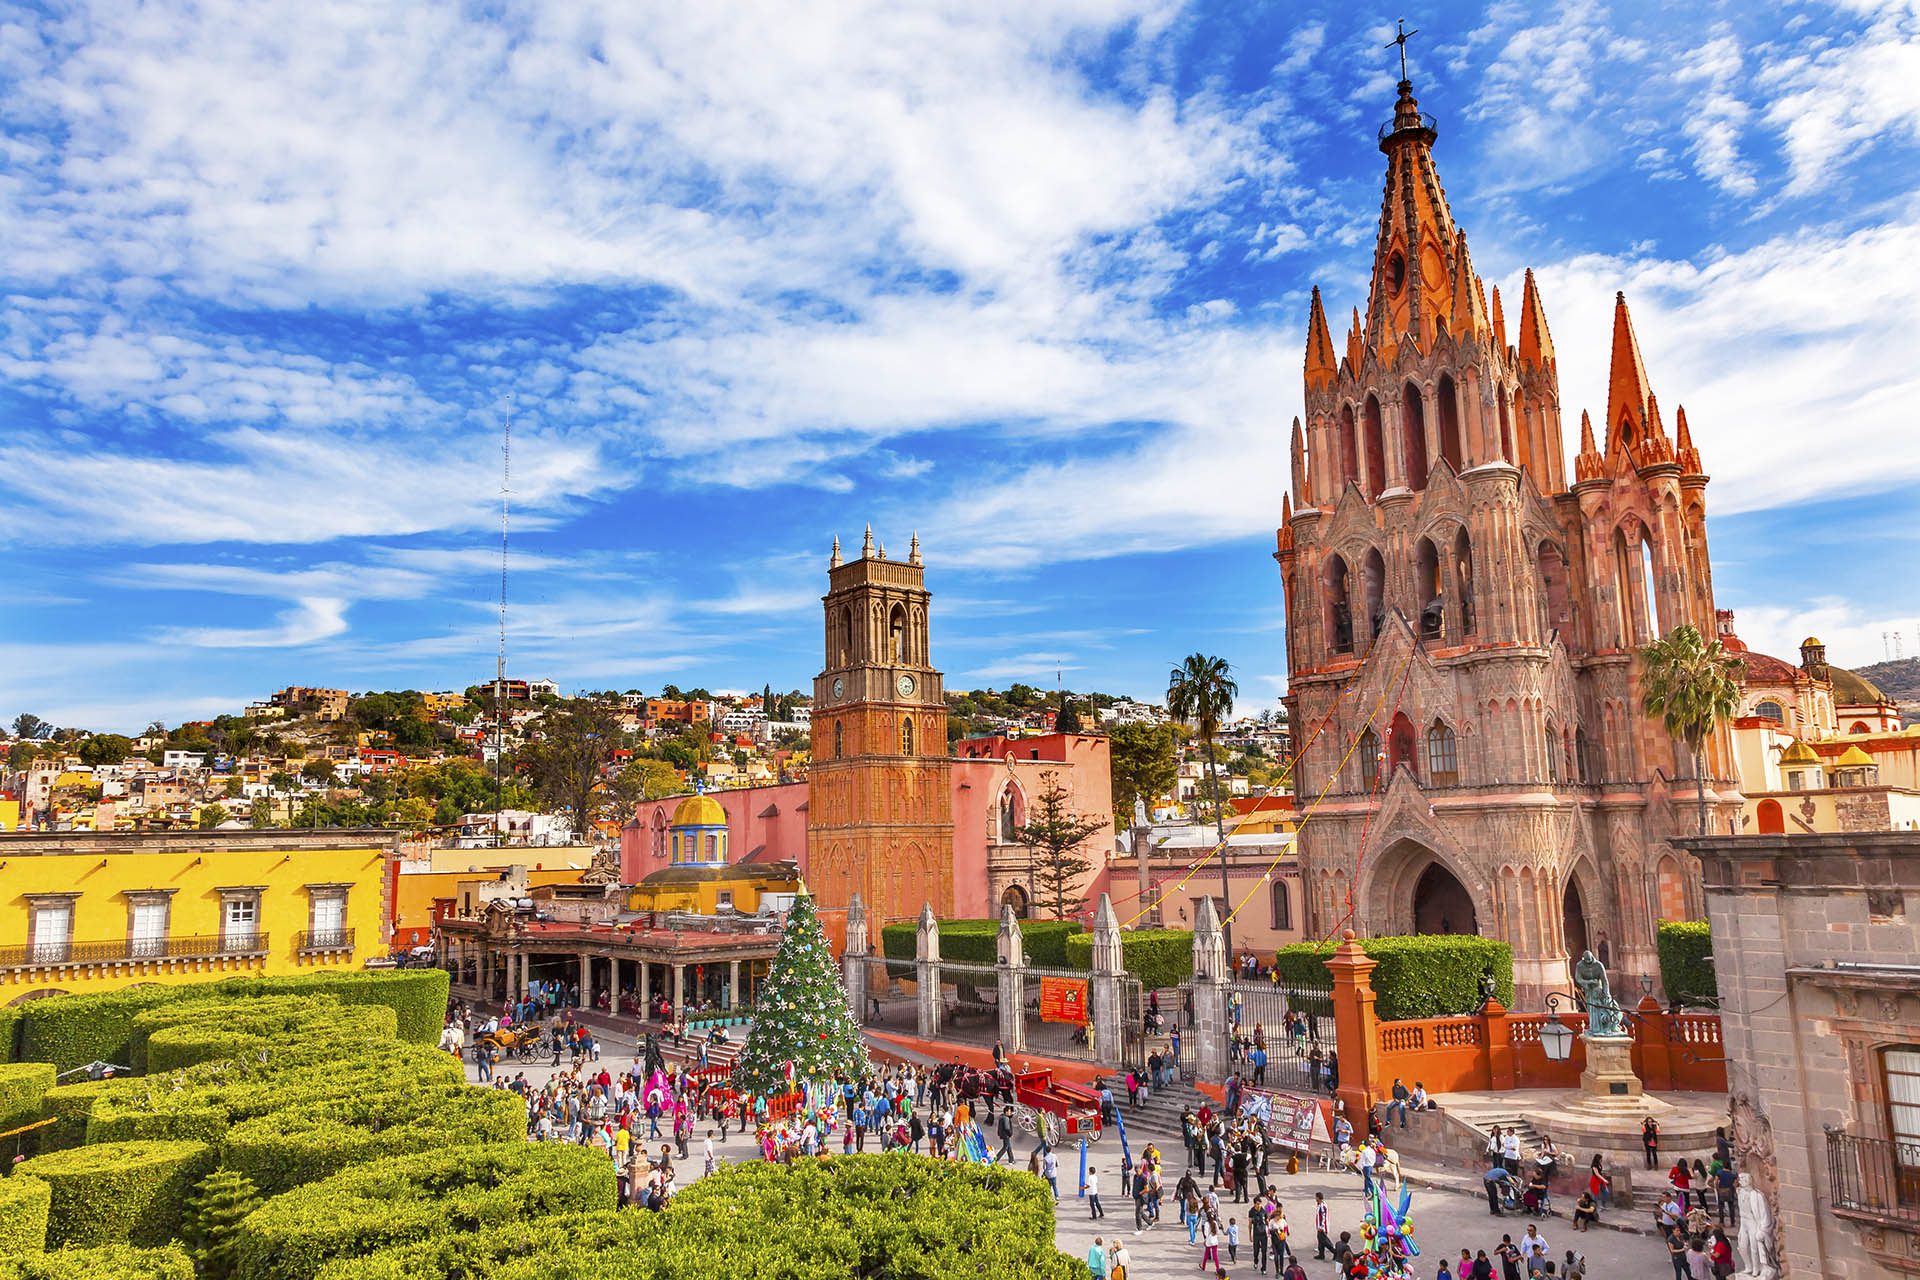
1386,1235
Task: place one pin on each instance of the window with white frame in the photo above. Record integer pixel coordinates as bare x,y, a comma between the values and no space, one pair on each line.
52,925
147,918
328,927
239,919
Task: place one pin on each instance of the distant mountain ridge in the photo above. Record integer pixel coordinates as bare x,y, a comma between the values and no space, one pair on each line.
1899,679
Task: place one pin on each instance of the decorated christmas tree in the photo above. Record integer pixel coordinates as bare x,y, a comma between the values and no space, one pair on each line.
800,1015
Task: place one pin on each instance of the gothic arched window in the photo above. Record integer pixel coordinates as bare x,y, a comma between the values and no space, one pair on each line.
839,740
1376,442
897,635
1349,449
1339,607
1463,579
1413,425
1369,754
1443,755
1448,399
906,735
1429,597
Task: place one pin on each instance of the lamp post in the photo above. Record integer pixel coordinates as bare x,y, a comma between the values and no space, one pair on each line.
1556,1037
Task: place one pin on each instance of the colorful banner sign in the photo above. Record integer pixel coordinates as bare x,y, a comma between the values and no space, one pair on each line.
1292,1123
1063,1000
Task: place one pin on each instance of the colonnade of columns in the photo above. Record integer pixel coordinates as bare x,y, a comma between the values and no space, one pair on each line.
494,968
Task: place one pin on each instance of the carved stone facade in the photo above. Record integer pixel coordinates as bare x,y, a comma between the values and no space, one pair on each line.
879,802
1820,1017
1462,621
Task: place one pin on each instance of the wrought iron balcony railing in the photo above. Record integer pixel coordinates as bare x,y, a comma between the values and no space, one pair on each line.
308,941
1875,1178
43,954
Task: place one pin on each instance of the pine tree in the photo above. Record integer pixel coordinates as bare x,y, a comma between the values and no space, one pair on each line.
212,1220
1053,836
800,1015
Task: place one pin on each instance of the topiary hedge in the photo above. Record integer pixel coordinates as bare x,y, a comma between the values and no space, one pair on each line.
978,941
23,1215
1422,976
181,1024
128,1192
71,1031
171,1048
23,1086
882,1215
107,1262
407,1198
1158,957
1686,962
309,1141
10,1018
70,1105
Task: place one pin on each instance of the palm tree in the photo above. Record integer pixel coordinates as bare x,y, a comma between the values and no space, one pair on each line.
1691,684
1200,692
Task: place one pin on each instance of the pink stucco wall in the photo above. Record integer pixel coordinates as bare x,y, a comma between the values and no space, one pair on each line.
764,824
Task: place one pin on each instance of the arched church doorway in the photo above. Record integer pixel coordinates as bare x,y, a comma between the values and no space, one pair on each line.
1573,920
1015,897
1441,903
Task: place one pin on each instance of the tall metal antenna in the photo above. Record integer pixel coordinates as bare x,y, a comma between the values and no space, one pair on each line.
500,665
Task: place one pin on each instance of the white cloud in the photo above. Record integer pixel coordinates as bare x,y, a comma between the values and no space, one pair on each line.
1828,100
1713,121
311,620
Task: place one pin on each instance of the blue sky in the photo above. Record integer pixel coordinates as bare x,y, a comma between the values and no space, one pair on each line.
1030,278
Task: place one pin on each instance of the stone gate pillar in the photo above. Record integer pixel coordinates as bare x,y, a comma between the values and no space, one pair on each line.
1107,989
853,960
1210,1029
1013,983
926,972
1354,1027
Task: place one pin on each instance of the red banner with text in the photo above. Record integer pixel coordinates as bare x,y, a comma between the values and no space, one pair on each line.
1063,1000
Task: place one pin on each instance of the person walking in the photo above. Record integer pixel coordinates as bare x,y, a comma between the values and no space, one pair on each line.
1599,1185
1118,1260
1322,1245
1097,1259
1210,1245
1004,1127
1509,1255
1090,1187
1050,1171
1533,1249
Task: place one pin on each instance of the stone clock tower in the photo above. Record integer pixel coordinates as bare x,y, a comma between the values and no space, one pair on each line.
879,803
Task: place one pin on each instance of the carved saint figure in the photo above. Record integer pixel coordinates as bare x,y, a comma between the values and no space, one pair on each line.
1755,1245
1603,1011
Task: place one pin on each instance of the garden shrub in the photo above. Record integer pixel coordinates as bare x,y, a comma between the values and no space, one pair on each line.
171,1048
210,1227
72,1031
10,1017
131,1192
23,1215
70,1105
883,1215
418,997
978,941
106,1262
1420,976
1686,962
273,1019
1158,957
307,1141
22,1087
407,1198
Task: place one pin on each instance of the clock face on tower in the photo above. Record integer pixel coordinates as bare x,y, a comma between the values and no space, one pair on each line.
839,687
905,685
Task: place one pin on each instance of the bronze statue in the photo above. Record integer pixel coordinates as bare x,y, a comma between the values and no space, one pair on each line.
1603,1011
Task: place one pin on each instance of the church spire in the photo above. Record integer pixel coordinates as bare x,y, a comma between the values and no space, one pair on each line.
1411,290
1322,367
1536,344
833,561
866,547
1590,465
1469,317
1684,452
1499,321
913,549
1356,349
1299,462
1627,388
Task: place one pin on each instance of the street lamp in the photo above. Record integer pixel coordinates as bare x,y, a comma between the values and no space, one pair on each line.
1556,1037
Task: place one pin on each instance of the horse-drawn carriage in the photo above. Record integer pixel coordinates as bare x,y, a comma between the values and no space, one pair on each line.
523,1042
1054,1109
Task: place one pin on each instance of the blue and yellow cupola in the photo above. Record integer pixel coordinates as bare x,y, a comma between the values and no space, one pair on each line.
697,836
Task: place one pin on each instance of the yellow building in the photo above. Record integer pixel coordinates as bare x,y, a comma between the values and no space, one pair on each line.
95,911
418,888
699,879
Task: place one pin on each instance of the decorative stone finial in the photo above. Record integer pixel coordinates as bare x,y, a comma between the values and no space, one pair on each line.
913,549
833,561
866,546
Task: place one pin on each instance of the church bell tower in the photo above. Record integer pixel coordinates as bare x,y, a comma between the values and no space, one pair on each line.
879,806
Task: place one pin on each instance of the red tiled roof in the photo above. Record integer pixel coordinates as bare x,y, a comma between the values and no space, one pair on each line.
1764,668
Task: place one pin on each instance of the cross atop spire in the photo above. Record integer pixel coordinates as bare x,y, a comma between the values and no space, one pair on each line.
1401,40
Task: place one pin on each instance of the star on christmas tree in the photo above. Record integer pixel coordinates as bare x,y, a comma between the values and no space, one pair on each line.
801,1016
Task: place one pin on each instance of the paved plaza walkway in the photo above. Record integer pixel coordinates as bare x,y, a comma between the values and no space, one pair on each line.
1447,1216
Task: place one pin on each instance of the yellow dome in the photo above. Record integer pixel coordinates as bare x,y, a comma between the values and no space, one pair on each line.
699,811
1853,758
1799,753
1811,642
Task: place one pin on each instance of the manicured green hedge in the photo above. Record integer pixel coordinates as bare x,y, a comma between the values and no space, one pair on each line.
407,1198
1686,962
23,1215
71,1031
106,1262
880,1215
307,1142
1422,976
22,1087
181,1024
1158,957
70,1105
10,1019
204,1100
171,1048
978,941
128,1192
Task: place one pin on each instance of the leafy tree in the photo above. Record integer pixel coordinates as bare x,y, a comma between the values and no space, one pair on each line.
105,748
1690,684
234,789
1200,691
567,764
1143,764
645,779
413,814
279,780
262,817
318,769
1053,836
28,725
1067,719
801,1015
212,816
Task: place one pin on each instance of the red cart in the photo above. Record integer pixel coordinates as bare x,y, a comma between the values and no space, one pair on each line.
1053,1109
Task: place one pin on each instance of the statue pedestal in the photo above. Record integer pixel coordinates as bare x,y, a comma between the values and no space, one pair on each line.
1609,1075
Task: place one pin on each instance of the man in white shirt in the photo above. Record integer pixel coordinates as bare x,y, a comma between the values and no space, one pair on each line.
1533,1248
1510,1150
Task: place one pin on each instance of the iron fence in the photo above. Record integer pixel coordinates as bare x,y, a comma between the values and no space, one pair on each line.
307,941
1874,1177
44,954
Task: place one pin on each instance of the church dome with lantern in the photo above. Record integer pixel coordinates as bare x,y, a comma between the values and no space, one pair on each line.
697,836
